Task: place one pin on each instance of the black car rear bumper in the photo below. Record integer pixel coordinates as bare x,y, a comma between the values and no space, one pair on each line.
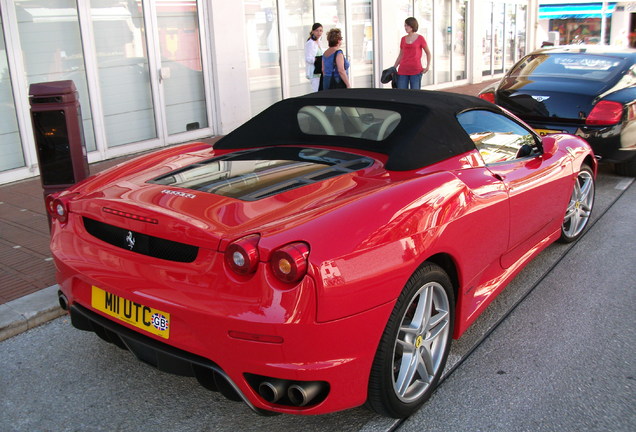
604,140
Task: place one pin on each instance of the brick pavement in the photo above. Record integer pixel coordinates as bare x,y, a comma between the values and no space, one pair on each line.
26,265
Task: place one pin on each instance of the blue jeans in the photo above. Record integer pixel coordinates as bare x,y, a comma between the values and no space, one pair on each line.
414,81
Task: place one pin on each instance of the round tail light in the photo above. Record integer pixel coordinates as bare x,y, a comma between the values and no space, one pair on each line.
242,255
48,201
56,207
290,262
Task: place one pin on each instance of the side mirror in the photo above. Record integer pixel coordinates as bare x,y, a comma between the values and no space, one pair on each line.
549,146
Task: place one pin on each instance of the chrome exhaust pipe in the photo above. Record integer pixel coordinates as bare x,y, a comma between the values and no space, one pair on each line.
272,391
61,298
303,393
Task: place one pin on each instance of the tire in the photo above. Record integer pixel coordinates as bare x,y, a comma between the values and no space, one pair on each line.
577,215
627,169
415,343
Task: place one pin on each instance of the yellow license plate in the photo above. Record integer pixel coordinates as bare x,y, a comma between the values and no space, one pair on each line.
544,132
138,315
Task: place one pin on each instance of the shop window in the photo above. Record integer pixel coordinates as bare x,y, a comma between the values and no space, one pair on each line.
52,50
124,76
299,21
263,54
11,155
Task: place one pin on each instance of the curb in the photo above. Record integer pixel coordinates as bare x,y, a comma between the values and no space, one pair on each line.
30,311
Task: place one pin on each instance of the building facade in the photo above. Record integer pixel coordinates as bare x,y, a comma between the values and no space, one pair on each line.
152,73
589,22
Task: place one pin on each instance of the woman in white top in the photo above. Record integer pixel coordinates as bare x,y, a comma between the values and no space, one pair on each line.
313,49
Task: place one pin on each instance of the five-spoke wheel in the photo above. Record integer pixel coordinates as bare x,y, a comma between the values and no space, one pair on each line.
580,206
415,344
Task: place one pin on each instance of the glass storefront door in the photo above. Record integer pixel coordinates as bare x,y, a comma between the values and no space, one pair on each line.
503,35
181,72
11,155
459,40
52,50
123,72
263,54
138,67
299,19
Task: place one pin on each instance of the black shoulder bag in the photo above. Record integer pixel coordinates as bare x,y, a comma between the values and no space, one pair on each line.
333,82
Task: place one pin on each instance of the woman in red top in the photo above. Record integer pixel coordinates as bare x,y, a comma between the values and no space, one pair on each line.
409,61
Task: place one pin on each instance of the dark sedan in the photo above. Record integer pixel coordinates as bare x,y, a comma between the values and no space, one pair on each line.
589,91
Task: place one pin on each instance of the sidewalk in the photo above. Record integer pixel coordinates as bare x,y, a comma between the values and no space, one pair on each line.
27,273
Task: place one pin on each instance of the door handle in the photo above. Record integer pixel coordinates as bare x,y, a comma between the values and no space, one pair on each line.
164,73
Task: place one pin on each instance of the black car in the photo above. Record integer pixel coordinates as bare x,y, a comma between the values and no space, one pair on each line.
589,91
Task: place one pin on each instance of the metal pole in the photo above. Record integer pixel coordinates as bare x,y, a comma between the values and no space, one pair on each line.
603,22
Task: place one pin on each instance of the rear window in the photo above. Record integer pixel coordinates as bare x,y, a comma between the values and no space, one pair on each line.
355,122
568,65
259,173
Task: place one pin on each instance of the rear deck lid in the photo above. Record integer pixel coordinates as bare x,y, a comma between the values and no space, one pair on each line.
204,200
558,86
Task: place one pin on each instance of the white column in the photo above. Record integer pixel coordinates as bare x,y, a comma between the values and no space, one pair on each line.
476,30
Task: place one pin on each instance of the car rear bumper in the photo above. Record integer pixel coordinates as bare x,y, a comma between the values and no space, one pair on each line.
336,354
614,144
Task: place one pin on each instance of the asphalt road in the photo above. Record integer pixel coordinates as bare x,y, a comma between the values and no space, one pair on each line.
555,351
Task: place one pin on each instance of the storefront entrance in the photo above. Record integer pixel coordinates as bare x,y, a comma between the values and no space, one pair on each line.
139,67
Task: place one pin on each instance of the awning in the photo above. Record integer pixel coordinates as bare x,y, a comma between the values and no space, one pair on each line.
575,10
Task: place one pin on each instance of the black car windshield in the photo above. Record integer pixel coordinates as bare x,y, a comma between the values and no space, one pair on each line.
568,65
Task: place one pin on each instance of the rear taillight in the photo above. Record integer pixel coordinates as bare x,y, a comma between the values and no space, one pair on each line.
48,201
488,96
289,263
57,207
605,113
242,255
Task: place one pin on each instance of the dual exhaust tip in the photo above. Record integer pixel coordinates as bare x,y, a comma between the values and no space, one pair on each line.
61,298
298,394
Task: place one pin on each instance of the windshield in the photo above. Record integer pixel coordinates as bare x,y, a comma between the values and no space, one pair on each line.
568,65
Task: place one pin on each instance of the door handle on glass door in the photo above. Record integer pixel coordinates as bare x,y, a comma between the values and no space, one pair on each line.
164,73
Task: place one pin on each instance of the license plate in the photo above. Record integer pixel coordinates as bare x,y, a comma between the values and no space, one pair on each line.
544,132
143,317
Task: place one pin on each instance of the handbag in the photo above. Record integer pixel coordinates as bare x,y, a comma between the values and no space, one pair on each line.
318,65
333,82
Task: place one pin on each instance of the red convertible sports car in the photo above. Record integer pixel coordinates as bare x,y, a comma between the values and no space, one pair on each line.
325,253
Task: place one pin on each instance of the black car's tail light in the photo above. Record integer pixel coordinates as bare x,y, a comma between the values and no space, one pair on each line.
289,263
488,96
242,255
605,113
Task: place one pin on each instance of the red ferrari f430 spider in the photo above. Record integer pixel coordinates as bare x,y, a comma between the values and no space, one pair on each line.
325,253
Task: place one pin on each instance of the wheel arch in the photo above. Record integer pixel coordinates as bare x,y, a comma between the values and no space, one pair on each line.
592,163
447,263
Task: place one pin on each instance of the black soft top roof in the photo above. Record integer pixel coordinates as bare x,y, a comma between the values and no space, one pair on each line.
427,133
